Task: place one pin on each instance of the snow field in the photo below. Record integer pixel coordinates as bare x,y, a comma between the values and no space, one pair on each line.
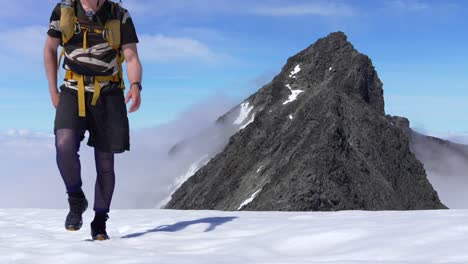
171,236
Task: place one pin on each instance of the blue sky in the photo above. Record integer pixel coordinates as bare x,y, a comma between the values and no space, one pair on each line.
195,51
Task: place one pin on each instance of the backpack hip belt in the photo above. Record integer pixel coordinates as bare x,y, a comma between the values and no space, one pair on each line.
69,75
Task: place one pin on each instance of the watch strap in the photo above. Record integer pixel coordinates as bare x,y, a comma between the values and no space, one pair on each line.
137,84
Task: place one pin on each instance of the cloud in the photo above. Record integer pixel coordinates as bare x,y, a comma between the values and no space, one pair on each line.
159,8
161,48
17,46
21,52
407,5
314,9
446,167
461,138
145,176
26,42
216,7
19,13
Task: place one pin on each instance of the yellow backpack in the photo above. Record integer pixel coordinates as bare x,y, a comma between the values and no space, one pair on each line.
69,26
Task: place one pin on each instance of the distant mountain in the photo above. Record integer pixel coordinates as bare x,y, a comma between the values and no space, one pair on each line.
315,138
445,162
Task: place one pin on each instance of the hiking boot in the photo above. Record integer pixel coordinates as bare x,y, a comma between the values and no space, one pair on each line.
74,219
98,227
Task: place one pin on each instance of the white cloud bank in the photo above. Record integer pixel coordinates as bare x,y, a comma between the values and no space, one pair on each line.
144,176
24,42
161,48
262,7
317,9
461,138
408,5
446,168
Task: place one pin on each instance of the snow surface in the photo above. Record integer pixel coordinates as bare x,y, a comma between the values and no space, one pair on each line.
250,199
36,236
243,114
293,96
294,72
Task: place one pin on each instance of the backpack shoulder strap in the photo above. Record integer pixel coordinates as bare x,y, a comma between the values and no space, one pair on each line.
113,25
68,20
117,11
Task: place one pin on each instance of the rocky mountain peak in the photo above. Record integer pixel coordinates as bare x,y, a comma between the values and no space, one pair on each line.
315,138
318,66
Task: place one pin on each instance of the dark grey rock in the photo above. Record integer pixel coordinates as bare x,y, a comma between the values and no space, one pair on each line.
331,149
402,122
445,162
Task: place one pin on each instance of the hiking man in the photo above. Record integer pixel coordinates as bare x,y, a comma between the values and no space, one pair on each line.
96,36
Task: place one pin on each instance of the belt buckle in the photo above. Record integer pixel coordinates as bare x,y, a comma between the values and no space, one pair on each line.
89,79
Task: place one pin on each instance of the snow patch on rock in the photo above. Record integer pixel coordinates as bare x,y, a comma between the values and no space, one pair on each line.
259,169
250,199
244,113
179,181
294,72
293,96
248,123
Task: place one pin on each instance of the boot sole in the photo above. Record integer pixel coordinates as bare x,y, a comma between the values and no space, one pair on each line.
72,228
101,237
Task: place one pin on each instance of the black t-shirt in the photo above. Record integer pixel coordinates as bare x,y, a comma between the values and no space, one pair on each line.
99,58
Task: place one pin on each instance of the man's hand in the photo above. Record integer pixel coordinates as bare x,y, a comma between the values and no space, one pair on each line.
134,95
55,97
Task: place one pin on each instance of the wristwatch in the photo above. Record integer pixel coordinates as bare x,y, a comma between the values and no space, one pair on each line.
137,84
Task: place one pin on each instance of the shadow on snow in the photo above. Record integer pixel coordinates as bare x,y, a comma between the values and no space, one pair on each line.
213,221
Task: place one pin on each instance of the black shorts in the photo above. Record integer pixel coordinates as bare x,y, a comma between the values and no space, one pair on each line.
107,121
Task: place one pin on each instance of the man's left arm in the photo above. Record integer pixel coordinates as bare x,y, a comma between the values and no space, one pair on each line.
134,74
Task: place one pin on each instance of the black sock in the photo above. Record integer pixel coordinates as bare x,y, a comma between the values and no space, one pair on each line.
77,194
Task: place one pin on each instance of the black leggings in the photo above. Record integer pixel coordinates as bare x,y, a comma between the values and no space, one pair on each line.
67,143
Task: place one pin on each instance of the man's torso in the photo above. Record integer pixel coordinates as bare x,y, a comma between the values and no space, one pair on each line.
97,58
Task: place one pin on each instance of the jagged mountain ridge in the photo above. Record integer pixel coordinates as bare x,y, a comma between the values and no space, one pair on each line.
315,138
434,144
445,162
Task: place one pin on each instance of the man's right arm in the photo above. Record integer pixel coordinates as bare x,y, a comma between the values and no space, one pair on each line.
51,67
